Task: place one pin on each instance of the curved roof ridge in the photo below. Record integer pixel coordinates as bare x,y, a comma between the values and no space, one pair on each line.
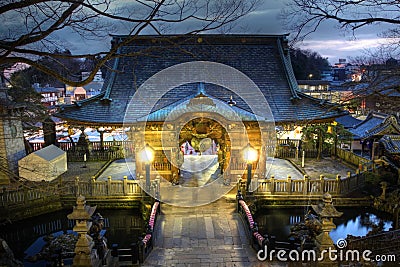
112,78
288,70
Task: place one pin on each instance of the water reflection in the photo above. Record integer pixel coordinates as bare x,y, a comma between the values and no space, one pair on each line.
26,237
357,222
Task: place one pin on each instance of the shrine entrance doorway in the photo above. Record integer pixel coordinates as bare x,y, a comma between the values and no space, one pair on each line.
204,143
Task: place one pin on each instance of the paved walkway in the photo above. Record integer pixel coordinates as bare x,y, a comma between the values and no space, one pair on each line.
118,169
281,168
210,235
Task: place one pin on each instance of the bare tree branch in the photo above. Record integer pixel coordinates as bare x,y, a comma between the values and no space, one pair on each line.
35,27
305,16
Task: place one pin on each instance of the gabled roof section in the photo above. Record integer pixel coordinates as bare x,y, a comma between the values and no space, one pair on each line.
391,143
375,124
263,58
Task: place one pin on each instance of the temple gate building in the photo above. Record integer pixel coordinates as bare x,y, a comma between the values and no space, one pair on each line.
201,116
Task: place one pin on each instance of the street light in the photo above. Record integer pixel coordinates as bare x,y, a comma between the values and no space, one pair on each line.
147,157
250,155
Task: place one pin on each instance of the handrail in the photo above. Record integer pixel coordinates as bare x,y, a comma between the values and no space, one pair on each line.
147,243
257,239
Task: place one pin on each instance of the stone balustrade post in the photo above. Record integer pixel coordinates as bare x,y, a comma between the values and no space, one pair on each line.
305,184
322,183
272,184
338,184
108,185
289,184
125,185
92,186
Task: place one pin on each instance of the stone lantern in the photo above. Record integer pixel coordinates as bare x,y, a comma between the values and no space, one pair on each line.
82,214
326,212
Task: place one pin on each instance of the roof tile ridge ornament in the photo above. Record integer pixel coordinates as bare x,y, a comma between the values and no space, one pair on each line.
287,65
110,84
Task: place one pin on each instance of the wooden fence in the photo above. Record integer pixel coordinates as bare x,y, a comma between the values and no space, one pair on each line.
291,148
115,149
351,158
96,151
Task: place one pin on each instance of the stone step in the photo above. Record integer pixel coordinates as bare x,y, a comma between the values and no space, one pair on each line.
222,205
202,256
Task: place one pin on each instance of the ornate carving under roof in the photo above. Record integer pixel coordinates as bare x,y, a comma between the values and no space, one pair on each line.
391,143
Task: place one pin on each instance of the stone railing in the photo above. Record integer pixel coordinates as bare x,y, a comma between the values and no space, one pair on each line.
336,187
51,192
25,196
102,188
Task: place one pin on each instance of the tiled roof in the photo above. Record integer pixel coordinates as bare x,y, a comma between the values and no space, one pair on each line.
49,153
263,58
348,121
375,124
183,106
391,143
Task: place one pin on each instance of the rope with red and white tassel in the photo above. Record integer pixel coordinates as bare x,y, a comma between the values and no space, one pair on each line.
246,209
151,222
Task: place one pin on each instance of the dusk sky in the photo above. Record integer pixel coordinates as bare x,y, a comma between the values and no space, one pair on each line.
328,41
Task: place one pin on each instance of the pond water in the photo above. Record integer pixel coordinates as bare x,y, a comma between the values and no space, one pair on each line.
356,222
124,227
26,237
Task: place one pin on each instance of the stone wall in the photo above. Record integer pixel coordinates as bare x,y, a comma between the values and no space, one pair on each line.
11,144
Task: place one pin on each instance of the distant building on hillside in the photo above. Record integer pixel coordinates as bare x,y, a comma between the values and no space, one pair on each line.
93,89
50,96
316,88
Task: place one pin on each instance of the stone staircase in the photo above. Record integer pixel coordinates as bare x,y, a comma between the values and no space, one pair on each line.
210,235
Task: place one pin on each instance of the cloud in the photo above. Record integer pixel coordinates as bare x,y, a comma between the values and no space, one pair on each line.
342,48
